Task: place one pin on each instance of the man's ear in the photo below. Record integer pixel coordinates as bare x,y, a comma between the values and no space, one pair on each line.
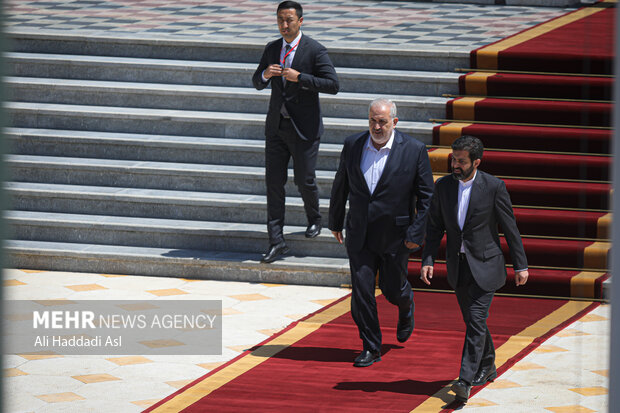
395,121
477,163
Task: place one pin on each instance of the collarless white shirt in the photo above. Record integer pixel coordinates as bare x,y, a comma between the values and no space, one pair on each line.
464,195
373,161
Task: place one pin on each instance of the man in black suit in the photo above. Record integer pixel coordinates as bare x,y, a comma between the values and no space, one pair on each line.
468,206
298,68
386,176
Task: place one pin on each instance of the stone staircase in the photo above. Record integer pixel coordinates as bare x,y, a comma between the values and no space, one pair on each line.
147,157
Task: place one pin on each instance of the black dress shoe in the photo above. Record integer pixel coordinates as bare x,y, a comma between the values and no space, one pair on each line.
461,389
404,329
367,358
313,230
484,375
274,252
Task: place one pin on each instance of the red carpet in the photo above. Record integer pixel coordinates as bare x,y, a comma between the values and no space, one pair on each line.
542,282
555,139
540,101
562,214
581,195
534,86
530,111
308,366
557,253
536,165
563,223
578,42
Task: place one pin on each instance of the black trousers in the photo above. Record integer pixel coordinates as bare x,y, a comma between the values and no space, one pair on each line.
393,283
478,350
278,151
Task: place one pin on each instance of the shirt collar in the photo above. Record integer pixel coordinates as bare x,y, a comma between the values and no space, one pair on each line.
468,183
387,146
293,43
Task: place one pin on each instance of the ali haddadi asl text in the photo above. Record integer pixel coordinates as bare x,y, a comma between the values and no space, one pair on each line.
77,341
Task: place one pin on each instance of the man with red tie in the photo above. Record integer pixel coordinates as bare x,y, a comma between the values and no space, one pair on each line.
297,68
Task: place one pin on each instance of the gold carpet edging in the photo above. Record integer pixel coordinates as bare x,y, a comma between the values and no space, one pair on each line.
439,159
513,346
465,108
584,284
255,358
450,132
487,57
476,83
602,227
595,255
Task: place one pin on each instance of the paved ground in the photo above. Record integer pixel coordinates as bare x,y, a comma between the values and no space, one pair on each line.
396,24
251,313
568,373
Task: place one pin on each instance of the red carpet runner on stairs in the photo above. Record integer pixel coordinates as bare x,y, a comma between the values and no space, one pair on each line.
540,102
308,366
553,151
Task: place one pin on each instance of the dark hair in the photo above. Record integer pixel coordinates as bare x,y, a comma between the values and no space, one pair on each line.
470,144
288,4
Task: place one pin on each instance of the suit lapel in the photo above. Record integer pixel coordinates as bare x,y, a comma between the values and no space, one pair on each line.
477,189
277,48
358,151
298,57
453,199
299,52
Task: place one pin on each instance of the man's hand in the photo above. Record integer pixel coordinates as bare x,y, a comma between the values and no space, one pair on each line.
272,70
411,245
521,277
338,236
427,274
290,74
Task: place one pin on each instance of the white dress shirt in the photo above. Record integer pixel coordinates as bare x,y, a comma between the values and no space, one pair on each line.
373,161
290,56
464,195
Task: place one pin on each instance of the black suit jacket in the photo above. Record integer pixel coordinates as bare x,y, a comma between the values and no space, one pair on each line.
387,217
301,98
489,205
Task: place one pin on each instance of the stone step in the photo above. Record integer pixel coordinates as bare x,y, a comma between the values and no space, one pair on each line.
432,58
203,98
177,122
187,72
164,233
161,148
227,207
151,175
167,262
151,203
